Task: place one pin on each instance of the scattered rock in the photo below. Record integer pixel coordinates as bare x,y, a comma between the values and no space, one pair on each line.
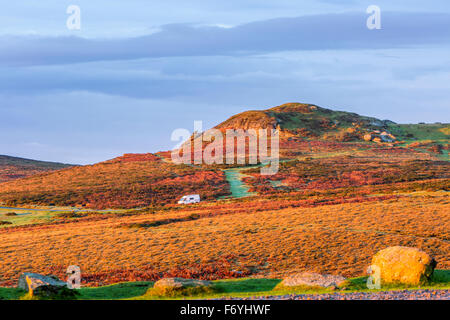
177,283
387,137
179,286
404,265
31,281
377,136
313,280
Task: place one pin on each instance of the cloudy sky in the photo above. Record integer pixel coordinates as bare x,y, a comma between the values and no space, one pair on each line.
138,69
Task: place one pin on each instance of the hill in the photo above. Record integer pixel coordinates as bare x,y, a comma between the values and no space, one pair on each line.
316,123
347,149
311,119
15,168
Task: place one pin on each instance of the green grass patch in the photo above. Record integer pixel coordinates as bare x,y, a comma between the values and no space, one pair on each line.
20,217
11,293
31,216
164,293
245,285
123,290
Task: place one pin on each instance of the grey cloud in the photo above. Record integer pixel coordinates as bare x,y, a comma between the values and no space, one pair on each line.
318,32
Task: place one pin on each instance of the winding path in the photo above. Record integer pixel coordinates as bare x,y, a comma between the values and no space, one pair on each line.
234,178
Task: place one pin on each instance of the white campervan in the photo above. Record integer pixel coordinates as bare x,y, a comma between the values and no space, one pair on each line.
192,198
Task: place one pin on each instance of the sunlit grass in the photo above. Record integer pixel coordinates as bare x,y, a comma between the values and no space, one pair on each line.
246,287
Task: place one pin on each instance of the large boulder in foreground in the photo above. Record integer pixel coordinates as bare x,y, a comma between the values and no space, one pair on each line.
30,281
404,265
313,280
179,286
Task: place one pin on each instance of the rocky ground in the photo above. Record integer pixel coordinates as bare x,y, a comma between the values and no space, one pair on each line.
382,295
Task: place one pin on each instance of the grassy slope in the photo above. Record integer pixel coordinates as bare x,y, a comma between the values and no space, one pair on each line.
246,287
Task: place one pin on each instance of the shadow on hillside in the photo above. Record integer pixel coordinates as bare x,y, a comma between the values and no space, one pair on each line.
441,277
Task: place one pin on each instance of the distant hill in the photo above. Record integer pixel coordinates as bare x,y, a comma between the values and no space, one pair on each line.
14,168
129,181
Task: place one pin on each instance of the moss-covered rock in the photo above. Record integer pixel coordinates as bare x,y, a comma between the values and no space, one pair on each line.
310,279
170,287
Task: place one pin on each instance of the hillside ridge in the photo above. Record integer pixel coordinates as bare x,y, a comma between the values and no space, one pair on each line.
7,160
12,168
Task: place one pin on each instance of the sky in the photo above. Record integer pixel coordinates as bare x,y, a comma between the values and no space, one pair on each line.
139,69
